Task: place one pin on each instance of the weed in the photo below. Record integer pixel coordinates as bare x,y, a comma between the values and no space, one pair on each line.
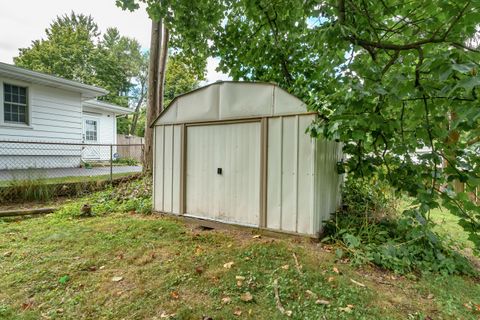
370,231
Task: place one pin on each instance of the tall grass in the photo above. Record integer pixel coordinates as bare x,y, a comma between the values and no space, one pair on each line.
33,189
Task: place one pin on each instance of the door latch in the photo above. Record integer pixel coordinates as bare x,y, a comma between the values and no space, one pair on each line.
219,170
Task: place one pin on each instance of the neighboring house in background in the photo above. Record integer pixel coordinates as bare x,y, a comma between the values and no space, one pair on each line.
41,108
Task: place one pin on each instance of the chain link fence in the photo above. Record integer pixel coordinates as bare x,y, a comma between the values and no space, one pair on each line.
28,167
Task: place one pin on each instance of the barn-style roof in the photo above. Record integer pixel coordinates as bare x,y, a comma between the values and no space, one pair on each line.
229,100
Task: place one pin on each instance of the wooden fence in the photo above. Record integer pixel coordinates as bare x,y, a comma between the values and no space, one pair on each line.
130,152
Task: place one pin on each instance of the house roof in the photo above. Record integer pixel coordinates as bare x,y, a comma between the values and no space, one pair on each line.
226,100
22,74
96,104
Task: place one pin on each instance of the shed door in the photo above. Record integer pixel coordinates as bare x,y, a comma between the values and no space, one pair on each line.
223,172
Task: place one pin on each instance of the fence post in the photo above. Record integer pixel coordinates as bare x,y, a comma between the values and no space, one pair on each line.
111,164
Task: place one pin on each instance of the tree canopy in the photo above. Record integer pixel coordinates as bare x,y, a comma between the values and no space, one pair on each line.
75,49
179,79
395,81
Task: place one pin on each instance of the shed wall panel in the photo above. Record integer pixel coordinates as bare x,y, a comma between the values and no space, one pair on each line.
159,169
290,175
177,131
274,174
168,167
306,158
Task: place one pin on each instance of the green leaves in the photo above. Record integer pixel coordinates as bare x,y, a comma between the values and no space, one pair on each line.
395,81
75,49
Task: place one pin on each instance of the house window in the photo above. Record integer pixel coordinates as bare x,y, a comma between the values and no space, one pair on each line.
15,104
91,130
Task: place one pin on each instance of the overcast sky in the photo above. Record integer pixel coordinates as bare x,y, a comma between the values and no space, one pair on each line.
22,21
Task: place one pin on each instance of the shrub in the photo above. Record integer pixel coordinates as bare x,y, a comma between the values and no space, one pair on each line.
126,161
126,197
370,230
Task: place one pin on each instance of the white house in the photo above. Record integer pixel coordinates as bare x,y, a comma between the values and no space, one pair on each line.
238,153
52,113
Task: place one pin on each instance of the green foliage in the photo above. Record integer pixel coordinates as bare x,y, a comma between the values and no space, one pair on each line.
64,279
126,161
371,199
395,81
191,23
369,231
132,197
75,49
34,189
179,78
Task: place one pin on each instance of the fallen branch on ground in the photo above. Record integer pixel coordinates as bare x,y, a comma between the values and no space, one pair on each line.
277,299
297,265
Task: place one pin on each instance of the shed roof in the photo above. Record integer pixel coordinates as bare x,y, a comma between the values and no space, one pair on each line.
228,100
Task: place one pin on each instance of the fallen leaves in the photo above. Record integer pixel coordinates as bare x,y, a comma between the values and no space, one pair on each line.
226,300
335,269
347,309
117,279
199,270
237,312
28,304
228,265
322,302
246,297
174,295
7,254
240,280
166,315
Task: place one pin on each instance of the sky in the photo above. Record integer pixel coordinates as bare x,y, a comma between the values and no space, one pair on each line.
22,21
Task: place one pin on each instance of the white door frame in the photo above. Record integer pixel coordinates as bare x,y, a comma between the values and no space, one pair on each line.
93,152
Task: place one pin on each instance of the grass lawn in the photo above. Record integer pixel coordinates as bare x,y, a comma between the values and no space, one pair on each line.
130,266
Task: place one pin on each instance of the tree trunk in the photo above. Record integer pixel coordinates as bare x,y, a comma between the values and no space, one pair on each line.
152,106
162,69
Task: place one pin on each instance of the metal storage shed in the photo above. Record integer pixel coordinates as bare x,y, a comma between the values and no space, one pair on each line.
237,152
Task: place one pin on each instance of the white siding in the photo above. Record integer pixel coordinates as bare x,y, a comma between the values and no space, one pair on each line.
54,116
106,134
167,169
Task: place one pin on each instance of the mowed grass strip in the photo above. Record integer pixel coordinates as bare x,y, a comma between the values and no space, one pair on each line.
124,266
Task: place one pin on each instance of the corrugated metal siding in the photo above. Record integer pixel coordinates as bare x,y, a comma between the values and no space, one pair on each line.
290,177
327,180
234,195
167,168
232,100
